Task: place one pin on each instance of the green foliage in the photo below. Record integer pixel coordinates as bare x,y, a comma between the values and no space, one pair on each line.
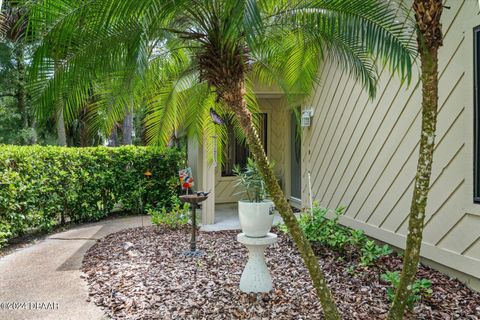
281,227
174,216
327,232
330,233
41,187
251,181
351,270
150,52
371,252
420,288
357,238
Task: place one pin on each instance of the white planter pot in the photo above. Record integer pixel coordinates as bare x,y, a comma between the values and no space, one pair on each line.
256,218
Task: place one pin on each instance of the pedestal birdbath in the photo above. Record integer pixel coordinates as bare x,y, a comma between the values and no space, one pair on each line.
194,200
255,276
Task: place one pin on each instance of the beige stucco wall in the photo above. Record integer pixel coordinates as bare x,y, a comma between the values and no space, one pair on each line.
362,153
277,140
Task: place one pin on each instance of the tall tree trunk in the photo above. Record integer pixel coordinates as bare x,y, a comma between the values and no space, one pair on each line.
60,121
234,97
429,38
21,94
128,128
28,120
112,141
61,132
34,130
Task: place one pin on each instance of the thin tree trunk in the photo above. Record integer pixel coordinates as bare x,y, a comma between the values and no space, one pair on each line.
112,141
21,92
234,98
34,130
60,121
28,121
128,128
61,132
429,38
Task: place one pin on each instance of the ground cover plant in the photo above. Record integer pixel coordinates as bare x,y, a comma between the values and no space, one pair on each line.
351,244
420,288
174,215
42,187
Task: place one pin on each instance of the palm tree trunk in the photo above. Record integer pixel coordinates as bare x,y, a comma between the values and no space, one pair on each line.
429,38
60,121
234,97
128,128
34,130
28,120
21,92
113,139
61,132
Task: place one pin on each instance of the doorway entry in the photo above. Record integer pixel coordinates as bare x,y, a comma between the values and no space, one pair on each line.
295,159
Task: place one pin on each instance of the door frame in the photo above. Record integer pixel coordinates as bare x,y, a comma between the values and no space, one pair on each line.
227,183
294,201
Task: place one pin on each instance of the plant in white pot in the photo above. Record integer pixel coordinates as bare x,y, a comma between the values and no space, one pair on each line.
255,212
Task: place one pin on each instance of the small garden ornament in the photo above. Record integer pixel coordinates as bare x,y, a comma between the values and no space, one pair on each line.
194,199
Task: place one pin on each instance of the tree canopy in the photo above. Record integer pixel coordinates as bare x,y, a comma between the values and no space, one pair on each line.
174,57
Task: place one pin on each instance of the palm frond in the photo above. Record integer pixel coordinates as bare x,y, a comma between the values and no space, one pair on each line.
176,55
357,32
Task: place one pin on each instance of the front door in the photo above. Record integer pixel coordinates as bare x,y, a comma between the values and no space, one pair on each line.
295,160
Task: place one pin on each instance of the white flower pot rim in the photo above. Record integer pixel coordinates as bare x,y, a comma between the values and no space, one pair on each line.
248,201
256,218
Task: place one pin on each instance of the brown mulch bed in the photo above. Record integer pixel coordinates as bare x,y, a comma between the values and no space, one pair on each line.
140,274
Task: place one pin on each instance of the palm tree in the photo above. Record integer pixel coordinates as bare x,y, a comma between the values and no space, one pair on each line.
430,39
195,54
13,23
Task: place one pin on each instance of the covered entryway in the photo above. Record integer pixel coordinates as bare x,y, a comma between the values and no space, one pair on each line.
275,134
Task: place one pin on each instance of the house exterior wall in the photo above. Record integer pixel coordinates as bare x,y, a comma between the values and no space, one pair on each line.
277,141
204,176
362,152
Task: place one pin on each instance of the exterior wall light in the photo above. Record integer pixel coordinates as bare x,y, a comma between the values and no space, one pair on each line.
306,118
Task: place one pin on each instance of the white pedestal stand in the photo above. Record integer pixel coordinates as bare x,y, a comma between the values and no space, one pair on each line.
255,276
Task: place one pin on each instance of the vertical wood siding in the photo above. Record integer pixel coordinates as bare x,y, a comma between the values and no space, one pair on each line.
362,152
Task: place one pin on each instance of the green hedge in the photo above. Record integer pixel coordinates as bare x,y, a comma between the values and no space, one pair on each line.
41,187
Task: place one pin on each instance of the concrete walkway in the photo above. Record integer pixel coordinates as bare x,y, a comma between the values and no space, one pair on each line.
226,218
49,273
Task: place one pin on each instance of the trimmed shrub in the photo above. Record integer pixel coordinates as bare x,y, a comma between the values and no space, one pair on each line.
41,187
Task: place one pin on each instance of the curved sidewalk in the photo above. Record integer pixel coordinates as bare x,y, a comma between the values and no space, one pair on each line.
48,273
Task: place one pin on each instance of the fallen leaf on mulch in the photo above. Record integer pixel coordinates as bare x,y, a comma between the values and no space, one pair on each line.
140,273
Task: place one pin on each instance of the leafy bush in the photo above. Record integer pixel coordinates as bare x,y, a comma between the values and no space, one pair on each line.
371,252
330,233
420,288
174,217
41,187
327,232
